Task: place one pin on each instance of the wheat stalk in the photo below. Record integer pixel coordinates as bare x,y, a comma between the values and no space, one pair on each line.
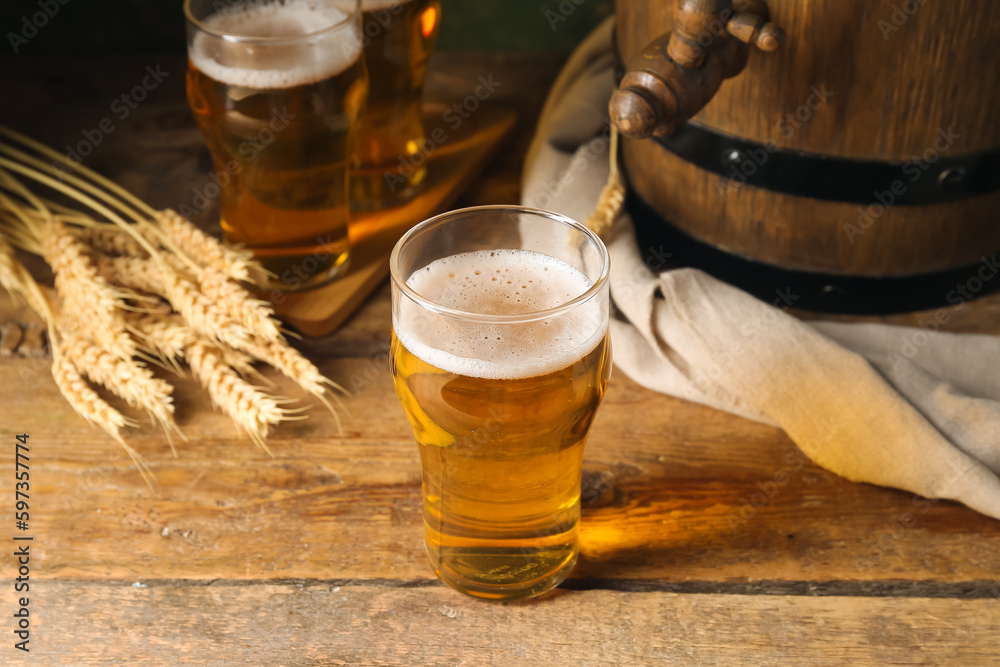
118,244
253,410
110,240
612,198
254,315
127,379
293,365
234,263
16,280
45,177
200,313
84,292
9,268
86,403
164,336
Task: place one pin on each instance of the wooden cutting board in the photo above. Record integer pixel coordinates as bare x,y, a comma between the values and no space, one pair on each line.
451,167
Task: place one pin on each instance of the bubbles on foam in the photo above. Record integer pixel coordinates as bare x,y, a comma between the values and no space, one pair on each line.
500,282
278,65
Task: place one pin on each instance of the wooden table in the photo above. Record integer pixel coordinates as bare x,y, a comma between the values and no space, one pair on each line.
706,539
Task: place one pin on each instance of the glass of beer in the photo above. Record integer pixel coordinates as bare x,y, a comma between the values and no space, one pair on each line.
500,356
277,87
391,151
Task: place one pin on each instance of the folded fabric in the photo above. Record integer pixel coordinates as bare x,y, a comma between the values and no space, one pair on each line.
909,408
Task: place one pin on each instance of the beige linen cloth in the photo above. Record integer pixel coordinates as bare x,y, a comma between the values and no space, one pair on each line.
896,406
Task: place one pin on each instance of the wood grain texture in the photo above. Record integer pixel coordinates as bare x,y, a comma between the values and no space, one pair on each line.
291,625
313,557
670,494
896,79
894,82
809,234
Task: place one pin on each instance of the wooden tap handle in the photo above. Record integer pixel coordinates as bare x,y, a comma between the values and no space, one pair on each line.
752,29
679,72
634,113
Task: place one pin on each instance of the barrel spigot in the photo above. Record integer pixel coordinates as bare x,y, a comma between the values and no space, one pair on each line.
678,73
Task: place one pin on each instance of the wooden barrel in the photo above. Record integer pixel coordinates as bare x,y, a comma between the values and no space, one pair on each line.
867,145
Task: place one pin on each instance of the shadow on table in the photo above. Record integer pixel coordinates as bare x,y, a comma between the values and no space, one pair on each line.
638,530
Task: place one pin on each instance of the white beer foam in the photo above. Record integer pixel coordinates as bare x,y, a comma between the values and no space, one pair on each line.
276,66
500,282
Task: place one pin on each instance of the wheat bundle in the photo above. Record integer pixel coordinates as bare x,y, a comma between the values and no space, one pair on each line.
115,259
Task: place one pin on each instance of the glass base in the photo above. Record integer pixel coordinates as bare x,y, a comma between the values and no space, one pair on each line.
491,573
298,273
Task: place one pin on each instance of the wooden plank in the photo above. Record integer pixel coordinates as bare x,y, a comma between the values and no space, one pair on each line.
139,623
667,482
670,491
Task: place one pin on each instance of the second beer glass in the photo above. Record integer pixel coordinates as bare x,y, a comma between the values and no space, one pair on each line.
277,88
391,151
500,357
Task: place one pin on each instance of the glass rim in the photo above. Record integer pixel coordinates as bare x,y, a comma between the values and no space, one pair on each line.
531,316
259,39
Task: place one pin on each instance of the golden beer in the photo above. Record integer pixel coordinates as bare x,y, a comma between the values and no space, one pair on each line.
390,151
501,412
278,107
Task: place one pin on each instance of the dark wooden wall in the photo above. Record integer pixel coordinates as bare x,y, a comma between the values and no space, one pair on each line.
156,26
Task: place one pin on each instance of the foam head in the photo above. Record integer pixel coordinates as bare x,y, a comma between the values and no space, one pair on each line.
500,282
322,52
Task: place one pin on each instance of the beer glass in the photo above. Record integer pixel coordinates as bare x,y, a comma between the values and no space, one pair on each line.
500,356
277,88
391,150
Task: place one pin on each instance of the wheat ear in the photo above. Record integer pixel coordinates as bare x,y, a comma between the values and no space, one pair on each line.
200,313
110,240
80,396
238,304
86,294
164,336
293,365
252,410
254,315
86,403
127,379
612,197
207,250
